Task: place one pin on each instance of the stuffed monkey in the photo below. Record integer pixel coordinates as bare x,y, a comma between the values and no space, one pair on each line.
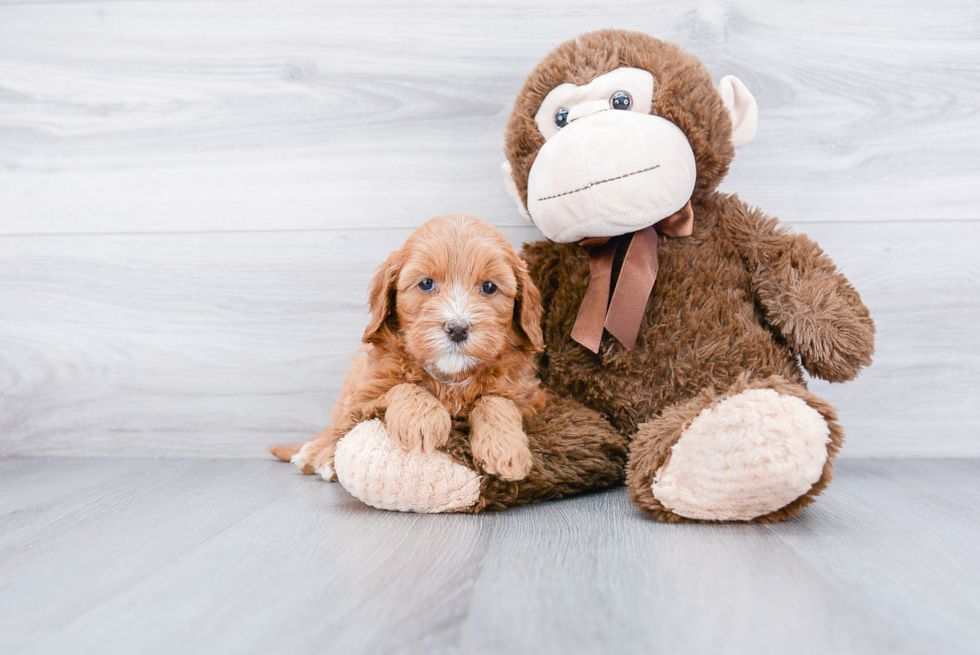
677,319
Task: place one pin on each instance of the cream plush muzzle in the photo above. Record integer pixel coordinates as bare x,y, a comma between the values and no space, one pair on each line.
608,173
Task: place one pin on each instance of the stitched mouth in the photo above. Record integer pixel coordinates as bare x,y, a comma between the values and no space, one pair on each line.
592,184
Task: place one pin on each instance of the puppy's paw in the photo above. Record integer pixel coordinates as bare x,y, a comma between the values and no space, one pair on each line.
315,457
323,464
502,452
415,420
497,438
303,458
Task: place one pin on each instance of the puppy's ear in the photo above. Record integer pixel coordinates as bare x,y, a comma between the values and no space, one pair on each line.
381,298
527,306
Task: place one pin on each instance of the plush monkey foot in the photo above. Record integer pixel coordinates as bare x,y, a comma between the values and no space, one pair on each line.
379,473
760,452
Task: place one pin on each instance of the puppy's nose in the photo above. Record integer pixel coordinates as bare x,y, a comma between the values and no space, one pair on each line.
458,330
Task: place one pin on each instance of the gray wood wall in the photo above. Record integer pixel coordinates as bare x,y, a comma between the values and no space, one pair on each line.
193,195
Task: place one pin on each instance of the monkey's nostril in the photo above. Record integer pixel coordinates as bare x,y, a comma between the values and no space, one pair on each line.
458,331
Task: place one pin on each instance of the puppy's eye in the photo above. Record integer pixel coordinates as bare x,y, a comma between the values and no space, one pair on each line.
489,288
426,284
561,117
621,100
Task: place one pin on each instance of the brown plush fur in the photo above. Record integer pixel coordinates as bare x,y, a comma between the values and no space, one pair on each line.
706,323
737,305
575,450
401,376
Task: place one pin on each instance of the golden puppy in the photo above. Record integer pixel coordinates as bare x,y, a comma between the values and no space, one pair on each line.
455,322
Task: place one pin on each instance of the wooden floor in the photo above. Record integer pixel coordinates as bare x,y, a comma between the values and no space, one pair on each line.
198,555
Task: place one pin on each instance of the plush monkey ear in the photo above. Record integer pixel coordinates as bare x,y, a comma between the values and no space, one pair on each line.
511,185
527,307
381,298
742,106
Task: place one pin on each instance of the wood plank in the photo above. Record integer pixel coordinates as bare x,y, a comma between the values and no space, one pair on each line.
220,344
900,537
601,577
313,569
138,117
250,556
96,544
35,488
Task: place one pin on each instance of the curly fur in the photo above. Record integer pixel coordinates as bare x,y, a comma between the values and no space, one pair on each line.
399,377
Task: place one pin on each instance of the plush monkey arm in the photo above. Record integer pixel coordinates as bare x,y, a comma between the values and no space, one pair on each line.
805,299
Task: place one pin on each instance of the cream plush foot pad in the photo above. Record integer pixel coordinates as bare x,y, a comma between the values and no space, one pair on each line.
747,456
377,472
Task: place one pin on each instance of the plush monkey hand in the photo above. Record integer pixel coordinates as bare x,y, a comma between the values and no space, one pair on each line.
415,419
807,301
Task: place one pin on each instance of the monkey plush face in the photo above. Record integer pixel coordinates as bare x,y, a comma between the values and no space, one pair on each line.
616,130
607,162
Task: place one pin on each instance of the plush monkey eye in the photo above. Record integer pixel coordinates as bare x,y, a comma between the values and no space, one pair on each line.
489,288
426,284
621,100
561,117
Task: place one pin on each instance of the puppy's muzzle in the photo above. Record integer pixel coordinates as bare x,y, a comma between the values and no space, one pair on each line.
458,331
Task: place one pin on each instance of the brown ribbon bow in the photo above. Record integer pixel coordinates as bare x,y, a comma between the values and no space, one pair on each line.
624,313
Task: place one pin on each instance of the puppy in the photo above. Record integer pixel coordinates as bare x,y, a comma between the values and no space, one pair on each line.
455,323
